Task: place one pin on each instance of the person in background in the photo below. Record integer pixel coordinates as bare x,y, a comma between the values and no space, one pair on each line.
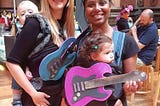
58,16
2,24
97,13
123,20
6,20
146,37
130,22
1,20
24,8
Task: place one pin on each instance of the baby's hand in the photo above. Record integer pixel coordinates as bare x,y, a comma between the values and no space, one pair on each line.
28,74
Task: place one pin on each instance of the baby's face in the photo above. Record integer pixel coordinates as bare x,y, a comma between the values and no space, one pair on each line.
23,11
105,54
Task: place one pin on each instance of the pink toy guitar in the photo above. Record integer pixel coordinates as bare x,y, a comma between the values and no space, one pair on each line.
82,85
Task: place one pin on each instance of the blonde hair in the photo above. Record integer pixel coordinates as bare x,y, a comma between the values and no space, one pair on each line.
68,27
29,4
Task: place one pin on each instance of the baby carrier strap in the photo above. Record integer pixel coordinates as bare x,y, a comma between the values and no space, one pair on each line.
44,35
118,39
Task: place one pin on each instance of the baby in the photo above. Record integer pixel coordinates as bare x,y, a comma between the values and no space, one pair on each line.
24,8
97,48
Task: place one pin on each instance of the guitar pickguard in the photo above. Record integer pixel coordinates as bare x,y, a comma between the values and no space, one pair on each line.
80,92
51,67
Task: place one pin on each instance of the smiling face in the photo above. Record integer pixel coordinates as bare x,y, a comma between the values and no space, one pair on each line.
97,11
57,5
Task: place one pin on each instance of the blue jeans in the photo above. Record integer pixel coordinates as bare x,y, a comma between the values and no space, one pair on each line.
15,85
140,62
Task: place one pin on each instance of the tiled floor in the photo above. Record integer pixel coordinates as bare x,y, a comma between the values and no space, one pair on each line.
5,88
142,100
6,94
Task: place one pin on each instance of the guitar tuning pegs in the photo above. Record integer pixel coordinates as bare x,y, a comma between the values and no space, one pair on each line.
143,75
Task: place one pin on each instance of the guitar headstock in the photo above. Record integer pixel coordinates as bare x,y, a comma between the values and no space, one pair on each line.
87,31
139,75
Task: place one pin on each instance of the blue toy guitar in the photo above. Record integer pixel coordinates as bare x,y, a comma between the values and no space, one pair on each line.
52,67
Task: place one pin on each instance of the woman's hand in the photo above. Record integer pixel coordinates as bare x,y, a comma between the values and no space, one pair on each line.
40,99
131,86
28,74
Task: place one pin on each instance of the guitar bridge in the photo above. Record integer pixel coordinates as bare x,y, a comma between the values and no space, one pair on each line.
55,67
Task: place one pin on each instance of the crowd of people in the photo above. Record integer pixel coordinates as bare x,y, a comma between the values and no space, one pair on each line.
45,30
6,19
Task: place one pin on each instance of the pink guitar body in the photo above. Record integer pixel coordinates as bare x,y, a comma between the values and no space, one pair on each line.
75,90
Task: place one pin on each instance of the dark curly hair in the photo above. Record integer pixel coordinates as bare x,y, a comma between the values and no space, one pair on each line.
92,44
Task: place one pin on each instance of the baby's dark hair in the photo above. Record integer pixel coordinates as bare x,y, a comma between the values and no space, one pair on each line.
92,44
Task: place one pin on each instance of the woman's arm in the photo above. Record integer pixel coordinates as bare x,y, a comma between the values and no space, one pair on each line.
129,64
39,98
17,58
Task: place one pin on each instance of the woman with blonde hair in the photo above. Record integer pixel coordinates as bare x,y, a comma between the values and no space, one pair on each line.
35,42
67,17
